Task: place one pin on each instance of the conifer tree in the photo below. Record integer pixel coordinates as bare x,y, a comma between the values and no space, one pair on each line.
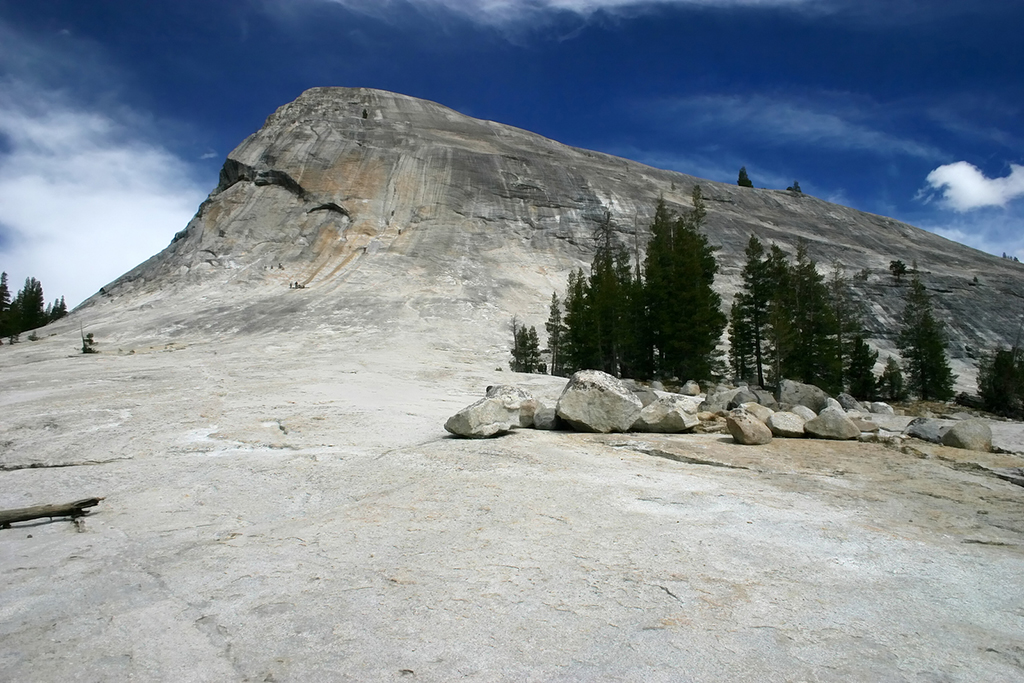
922,343
846,312
863,385
5,306
525,348
744,180
750,315
58,310
556,334
29,304
684,311
813,356
577,346
1001,382
890,384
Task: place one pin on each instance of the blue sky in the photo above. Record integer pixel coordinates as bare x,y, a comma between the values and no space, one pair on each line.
115,115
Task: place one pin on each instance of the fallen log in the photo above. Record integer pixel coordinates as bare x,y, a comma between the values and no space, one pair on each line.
72,510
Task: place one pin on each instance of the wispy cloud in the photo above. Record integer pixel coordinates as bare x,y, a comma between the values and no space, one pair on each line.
964,187
508,11
83,196
995,232
780,122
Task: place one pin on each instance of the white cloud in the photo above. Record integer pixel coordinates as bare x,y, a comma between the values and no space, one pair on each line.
965,187
84,197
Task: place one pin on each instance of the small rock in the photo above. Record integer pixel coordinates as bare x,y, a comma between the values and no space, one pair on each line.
485,418
746,429
974,435
594,401
831,423
658,386
786,425
832,403
691,388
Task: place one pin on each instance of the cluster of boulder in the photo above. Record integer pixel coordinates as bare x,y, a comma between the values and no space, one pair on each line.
594,401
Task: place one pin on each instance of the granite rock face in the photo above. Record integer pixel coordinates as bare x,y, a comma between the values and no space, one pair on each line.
469,217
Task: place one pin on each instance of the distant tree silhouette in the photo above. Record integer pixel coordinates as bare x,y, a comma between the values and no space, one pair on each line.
898,269
863,385
795,187
744,180
890,384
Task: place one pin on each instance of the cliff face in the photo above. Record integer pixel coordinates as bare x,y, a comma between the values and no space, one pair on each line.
380,204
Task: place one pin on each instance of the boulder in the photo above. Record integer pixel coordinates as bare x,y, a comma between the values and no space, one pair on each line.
832,403
850,403
974,435
719,399
747,429
485,418
765,398
667,415
804,412
594,401
757,410
657,386
545,417
742,396
691,388
864,425
798,393
512,394
646,396
879,408
786,425
831,423
926,429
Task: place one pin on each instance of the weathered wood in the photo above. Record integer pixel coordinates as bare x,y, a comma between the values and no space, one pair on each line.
72,510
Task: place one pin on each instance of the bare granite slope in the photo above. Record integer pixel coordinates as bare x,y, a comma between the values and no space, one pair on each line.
345,189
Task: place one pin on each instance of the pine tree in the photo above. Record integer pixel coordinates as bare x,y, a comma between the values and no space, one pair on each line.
525,348
812,356
684,311
890,385
577,346
1001,382
58,310
863,385
847,314
5,306
779,331
922,342
29,306
743,180
556,333
750,315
